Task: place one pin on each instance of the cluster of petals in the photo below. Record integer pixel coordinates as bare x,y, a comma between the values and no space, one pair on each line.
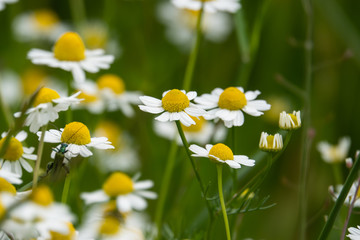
334,153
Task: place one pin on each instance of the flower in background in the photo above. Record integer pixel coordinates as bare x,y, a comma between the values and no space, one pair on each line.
3,2
290,121
124,157
229,105
70,235
201,132
174,105
334,153
270,143
354,233
76,136
181,24
209,5
92,100
349,198
220,153
69,54
47,105
15,154
129,193
41,24
278,104
112,89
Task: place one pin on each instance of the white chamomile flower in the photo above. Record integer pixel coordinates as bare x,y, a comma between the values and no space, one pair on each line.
229,105
174,105
220,153
112,89
69,54
349,198
15,154
334,153
129,193
3,2
201,132
42,24
91,97
290,121
38,216
209,5
270,143
77,138
354,233
47,105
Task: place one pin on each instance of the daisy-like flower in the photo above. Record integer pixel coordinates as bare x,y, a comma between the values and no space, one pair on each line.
334,153
38,216
349,198
92,100
229,105
290,121
112,89
69,54
77,138
3,2
42,24
201,132
270,143
220,153
174,105
129,193
209,5
354,233
47,105
71,234
15,154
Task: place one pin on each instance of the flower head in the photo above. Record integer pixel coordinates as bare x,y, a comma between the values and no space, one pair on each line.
334,153
69,53
220,153
270,143
351,195
209,5
174,105
354,233
290,121
229,105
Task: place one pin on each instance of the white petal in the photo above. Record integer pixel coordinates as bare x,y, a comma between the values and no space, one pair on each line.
154,110
141,185
147,194
164,117
26,165
123,204
150,101
244,160
233,164
21,136
198,151
191,95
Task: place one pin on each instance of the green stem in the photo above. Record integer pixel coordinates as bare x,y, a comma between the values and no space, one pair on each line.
337,173
193,56
77,8
223,208
165,185
66,188
7,114
340,200
39,156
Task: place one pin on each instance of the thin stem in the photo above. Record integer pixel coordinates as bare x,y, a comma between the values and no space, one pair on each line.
221,196
337,173
340,201
39,156
350,210
193,56
77,8
66,188
165,185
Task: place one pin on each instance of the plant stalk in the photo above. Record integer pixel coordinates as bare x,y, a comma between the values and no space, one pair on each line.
39,156
221,196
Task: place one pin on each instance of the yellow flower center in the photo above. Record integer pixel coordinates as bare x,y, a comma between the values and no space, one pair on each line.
5,186
76,133
109,226
111,131
221,151
42,195
45,95
111,81
69,236
293,117
14,150
45,18
175,101
32,79
199,123
118,184
232,99
88,98
270,141
69,47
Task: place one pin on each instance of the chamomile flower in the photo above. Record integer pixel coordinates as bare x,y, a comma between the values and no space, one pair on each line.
92,100
47,105
201,132
229,105
290,121
334,153
354,233
42,24
112,89
129,193
71,234
270,143
3,2
174,105
69,54
209,5
220,153
349,198
15,154
77,137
